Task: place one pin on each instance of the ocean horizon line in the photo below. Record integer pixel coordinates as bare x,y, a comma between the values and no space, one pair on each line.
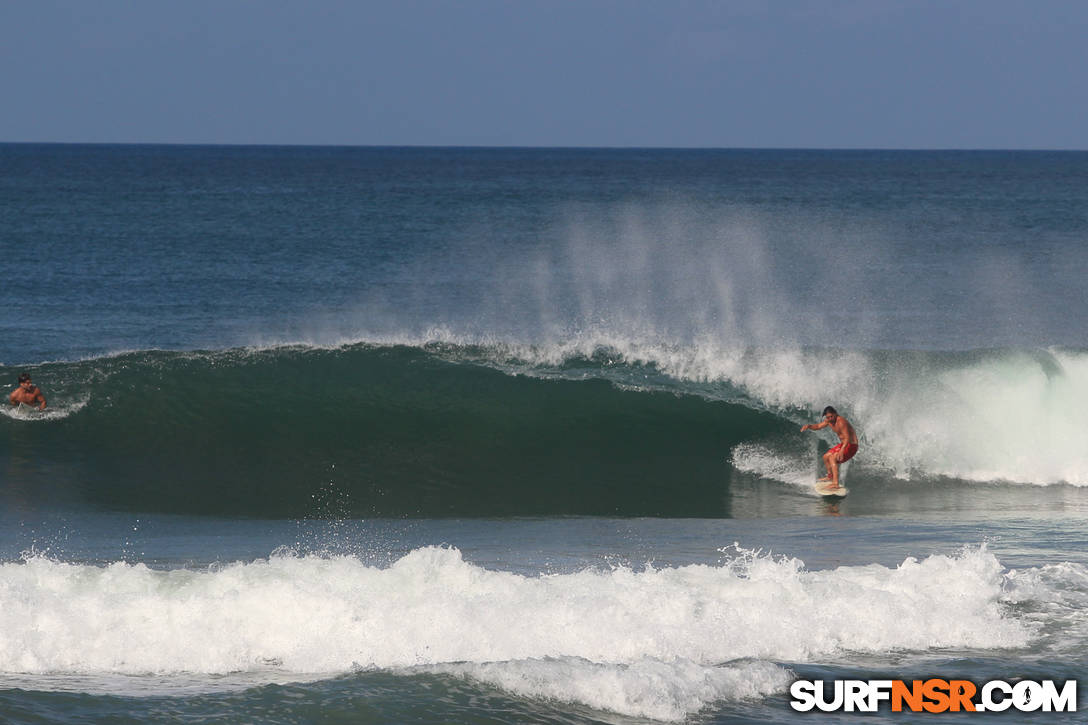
528,147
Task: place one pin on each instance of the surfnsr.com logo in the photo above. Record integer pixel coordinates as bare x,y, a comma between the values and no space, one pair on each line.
933,695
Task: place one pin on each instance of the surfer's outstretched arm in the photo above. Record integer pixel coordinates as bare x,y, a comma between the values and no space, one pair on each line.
814,426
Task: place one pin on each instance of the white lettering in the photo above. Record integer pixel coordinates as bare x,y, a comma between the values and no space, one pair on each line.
804,695
1066,701
993,696
879,690
856,695
835,703
1027,696
987,696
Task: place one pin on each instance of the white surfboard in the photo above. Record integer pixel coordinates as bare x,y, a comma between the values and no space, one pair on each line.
22,411
827,488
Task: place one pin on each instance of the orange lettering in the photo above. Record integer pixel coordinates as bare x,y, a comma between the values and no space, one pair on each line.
912,695
961,692
936,691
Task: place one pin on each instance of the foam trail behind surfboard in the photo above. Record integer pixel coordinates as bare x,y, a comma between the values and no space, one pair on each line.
774,465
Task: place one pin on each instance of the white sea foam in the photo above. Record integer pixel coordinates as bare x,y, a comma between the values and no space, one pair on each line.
51,413
798,471
1055,596
1003,416
667,641
650,688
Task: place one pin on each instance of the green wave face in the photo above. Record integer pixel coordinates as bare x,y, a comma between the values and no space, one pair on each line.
368,431
441,429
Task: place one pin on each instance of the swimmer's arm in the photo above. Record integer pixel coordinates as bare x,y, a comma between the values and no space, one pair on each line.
41,398
11,398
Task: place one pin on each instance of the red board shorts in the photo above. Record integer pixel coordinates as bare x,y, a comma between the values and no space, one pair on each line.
847,453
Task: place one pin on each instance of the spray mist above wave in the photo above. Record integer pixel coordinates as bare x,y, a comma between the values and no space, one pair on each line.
669,627
659,269
779,309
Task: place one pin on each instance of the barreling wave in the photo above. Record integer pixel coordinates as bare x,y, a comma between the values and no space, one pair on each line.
598,427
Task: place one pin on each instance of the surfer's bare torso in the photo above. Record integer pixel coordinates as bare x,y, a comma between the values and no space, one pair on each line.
848,442
844,431
28,394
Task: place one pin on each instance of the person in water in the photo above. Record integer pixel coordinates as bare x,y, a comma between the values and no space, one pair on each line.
27,393
848,443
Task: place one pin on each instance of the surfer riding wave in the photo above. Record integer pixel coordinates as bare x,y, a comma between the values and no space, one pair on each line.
844,451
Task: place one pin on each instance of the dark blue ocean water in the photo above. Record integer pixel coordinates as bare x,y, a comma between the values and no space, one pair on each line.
133,247
493,435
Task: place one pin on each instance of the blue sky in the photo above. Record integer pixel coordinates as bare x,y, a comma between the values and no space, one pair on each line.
733,73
